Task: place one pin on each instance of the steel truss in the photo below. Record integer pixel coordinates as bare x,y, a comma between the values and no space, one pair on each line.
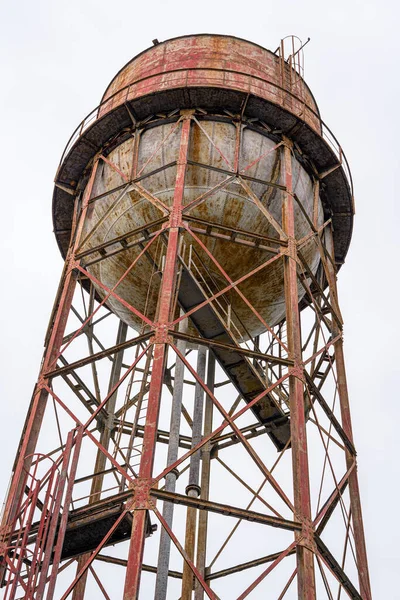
150,435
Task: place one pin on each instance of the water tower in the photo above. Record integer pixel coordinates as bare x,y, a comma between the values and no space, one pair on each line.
189,435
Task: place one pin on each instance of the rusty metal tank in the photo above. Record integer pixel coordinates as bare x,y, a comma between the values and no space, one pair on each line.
234,90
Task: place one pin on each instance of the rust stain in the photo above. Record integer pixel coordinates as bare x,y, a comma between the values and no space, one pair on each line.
216,60
211,143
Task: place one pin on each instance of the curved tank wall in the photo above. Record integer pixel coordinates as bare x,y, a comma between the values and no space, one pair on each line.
215,61
226,81
211,143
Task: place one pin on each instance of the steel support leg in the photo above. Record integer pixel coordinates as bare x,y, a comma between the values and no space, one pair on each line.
136,549
354,491
301,484
36,411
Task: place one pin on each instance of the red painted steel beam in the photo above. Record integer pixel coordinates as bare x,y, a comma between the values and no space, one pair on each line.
64,517
301,482
227,510
354,490
135,557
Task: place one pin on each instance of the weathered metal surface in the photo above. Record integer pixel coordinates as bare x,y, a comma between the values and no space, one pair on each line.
205,196
273,103
354,490
217,61
84,534
301,476
231,511
212,144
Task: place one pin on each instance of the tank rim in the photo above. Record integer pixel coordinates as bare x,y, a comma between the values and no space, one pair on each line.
192,35
338,188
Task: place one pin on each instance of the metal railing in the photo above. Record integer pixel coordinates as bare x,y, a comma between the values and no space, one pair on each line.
121,96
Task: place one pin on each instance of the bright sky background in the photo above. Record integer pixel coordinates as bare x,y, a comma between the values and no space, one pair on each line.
56,60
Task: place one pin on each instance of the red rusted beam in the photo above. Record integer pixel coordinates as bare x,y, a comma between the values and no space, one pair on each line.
39,399
64,517
267,571
301,483
354,490
226,509
136,549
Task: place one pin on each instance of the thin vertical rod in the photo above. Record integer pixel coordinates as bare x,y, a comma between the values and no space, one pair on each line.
205,479
54,516
301,483
36,412
193,488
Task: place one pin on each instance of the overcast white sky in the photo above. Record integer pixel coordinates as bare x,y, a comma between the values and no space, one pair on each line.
56,60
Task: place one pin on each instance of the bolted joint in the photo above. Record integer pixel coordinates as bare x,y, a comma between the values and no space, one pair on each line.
187,113
175,219
141,488
160,334
298,371
42,381
308,542
175,472
306,537
292,247
192,487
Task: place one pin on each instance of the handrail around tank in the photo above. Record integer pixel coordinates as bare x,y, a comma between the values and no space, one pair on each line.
93,116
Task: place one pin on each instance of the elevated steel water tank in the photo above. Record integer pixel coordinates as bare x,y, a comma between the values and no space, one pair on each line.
244,99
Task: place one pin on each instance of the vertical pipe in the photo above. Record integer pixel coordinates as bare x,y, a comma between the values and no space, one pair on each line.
193,488
301,483
136,548
205,479
170,480
354,490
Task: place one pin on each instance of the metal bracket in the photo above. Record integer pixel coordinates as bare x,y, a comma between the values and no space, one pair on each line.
141,494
